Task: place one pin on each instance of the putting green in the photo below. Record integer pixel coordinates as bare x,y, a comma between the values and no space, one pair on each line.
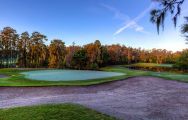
68,75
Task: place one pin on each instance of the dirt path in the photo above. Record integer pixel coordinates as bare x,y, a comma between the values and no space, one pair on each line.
136,98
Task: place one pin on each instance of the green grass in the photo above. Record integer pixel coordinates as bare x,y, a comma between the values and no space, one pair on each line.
133,73
170,76
52,112
150,65
16,79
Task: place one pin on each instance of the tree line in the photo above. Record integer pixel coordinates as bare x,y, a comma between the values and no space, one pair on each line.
30,51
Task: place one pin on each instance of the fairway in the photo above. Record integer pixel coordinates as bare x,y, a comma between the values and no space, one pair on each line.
68,75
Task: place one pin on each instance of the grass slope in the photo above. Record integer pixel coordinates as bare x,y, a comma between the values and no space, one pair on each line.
52,112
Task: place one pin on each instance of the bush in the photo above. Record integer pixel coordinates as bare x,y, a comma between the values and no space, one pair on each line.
182,62
94,66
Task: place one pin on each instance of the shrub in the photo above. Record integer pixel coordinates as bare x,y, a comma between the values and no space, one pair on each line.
182,62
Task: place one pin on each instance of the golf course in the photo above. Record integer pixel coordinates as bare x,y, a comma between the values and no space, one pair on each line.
131,88
52,77
93,60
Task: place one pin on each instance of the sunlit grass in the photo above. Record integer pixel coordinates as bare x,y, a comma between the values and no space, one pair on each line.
52,112
17,79
171,76
151,65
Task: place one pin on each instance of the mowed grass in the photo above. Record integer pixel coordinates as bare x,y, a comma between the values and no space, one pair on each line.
52,112
150,65
133,73
17,79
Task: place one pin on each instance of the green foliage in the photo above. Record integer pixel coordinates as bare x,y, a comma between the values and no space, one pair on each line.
52,112
104,55
94,66
182,62
79,59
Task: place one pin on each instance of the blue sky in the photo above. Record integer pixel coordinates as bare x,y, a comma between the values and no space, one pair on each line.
84,21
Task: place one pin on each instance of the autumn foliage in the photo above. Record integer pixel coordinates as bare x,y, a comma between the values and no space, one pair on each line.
27,50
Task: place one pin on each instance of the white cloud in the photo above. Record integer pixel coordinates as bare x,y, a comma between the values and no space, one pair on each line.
133,23
139,28
117,13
